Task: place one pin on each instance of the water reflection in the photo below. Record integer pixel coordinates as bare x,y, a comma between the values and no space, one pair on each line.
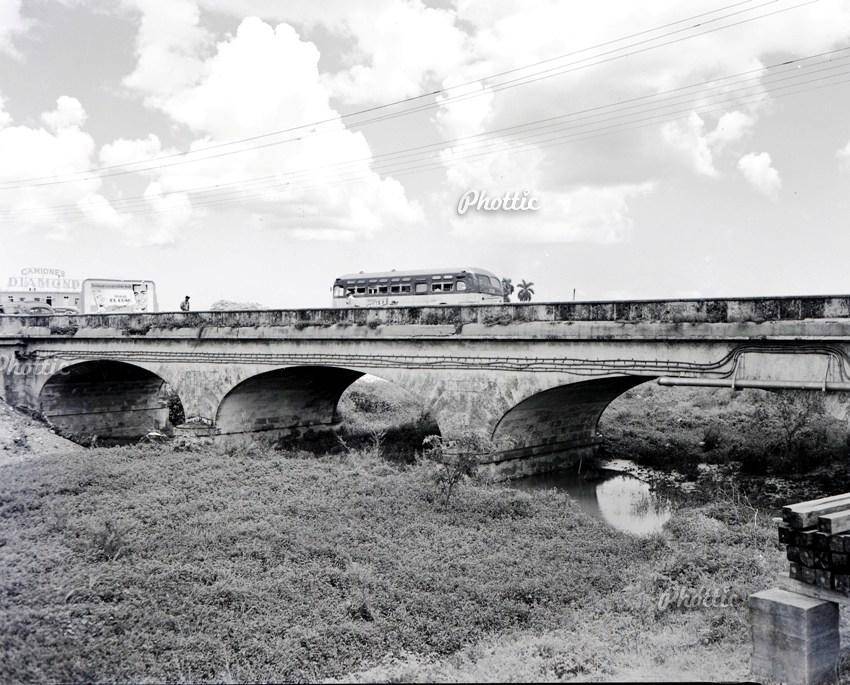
621,500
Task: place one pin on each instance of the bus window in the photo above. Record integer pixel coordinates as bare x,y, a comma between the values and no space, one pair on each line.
405,288
421,288
382,289
461,285
361,291
339,291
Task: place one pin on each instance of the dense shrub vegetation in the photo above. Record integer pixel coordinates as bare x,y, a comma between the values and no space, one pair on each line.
362,559
758,432
149,563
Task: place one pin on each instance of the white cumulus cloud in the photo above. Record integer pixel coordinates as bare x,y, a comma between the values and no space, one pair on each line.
703,126
33,159
12,24
127,151
843,154
404,47
31,156
169,46
219,84
69,114
759,171
263,79
691,140
393,48
699,146
5,117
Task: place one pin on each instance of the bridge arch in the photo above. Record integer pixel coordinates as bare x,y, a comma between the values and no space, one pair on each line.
553,427
301,404
284,399
106,399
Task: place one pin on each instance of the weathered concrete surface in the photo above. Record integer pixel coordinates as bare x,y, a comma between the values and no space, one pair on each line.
535,378
795,638
539,424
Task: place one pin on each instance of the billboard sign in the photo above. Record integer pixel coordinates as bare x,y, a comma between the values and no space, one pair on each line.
108,296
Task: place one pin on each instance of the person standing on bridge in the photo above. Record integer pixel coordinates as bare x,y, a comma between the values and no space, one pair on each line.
184,305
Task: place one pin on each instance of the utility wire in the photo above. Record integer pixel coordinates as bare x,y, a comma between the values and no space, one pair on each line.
395,170
656,102
121,169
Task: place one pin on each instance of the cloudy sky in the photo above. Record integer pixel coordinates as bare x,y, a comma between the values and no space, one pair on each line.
255,149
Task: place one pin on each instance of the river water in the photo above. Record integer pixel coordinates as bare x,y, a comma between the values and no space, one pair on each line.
615,496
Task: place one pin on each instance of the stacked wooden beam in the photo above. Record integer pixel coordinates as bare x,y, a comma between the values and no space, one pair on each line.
817,535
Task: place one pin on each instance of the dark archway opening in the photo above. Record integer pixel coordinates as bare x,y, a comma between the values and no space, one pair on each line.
107,402
325,409
560,419
284,399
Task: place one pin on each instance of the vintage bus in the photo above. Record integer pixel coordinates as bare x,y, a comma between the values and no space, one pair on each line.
467,285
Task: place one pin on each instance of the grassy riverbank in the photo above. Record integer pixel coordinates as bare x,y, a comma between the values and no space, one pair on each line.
184,562
777,447
155,564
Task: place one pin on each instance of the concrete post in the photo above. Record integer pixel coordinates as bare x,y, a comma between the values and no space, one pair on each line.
795,638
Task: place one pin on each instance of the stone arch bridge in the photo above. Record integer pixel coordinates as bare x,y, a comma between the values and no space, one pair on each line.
533,377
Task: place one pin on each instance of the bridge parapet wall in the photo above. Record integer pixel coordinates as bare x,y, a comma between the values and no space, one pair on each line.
487,320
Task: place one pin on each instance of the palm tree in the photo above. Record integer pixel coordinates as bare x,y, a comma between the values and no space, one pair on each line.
507,289
525,291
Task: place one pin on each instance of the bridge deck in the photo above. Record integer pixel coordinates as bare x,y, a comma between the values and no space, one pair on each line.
733,310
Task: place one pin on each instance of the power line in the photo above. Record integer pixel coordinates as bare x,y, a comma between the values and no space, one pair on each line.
560,71
393,168
657,101
393,103
239,194
121,169
524,146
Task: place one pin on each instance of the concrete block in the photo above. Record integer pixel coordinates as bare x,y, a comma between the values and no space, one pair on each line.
795,638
